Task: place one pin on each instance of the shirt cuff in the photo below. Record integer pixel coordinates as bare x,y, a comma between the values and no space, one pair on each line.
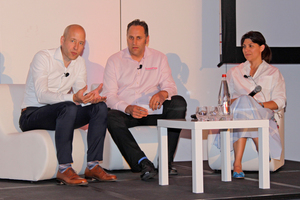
279,103
122,106
170,94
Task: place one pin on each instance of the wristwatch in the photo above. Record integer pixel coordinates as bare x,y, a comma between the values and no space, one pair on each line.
262,104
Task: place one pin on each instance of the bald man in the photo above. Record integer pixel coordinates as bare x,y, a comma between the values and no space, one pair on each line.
55,99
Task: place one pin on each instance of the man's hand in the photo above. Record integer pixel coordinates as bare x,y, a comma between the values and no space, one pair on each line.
97,98
158,99
80,98
91,97
136,111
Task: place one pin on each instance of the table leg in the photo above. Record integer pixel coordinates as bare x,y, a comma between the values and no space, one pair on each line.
163,156
225,155
197,161
263,158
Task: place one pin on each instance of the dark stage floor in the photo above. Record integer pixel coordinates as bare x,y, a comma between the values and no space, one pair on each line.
285,184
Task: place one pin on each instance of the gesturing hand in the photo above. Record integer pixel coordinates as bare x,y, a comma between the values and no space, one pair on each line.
97,98
78,97
91,97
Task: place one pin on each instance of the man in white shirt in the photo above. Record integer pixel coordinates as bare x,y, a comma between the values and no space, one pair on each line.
55,88
140,89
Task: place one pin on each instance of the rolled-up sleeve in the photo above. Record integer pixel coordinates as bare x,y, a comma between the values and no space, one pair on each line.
278,94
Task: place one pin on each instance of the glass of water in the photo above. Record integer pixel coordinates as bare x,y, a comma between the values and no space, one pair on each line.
213,113
201,113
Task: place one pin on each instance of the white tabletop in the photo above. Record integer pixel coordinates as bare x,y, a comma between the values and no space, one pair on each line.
190,124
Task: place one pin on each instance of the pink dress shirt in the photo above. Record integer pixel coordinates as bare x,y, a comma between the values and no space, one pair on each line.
124,84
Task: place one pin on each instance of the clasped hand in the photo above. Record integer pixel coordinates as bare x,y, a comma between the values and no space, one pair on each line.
91,97
155,103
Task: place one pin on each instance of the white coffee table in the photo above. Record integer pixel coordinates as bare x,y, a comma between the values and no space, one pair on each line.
196,128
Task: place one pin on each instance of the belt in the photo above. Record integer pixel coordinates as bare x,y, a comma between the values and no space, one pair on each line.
23,110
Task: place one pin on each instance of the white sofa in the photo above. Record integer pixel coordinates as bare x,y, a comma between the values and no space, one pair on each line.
250,157
31,155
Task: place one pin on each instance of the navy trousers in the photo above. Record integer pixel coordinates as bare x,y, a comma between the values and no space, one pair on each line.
64,117
119,123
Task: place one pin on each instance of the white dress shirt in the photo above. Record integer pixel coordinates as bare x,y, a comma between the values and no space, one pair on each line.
49,81
124,84
267,76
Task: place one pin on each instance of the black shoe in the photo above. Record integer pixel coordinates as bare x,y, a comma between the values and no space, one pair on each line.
172,170
148,170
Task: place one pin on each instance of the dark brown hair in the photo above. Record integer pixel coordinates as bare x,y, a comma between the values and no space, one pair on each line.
258,38
137,22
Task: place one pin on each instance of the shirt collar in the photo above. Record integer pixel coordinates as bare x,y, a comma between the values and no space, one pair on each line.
260,67
127,54
58,56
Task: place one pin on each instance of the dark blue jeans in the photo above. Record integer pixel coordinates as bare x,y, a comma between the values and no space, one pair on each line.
119,123
64,117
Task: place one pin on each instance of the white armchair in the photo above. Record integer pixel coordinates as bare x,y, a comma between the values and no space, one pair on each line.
31,155
250,157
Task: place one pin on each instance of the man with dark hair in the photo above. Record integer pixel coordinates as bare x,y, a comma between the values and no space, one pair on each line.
49,104
140,89
137,22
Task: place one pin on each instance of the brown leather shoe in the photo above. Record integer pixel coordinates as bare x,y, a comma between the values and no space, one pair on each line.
69,177
98,173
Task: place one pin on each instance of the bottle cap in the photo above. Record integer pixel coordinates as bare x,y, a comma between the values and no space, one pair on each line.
223,75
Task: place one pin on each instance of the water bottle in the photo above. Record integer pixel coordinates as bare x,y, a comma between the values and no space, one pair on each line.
224,97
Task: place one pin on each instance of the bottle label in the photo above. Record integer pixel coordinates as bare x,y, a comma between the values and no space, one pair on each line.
225,108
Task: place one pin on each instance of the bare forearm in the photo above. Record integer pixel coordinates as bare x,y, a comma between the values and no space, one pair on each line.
165,94
270,104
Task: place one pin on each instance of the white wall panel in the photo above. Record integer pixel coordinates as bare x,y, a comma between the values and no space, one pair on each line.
277,20
28,26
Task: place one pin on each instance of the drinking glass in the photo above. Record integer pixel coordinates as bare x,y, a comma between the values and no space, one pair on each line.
201,113
213,113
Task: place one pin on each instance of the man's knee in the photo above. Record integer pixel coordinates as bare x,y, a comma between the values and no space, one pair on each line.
179,102
100,109
176,108
68,108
